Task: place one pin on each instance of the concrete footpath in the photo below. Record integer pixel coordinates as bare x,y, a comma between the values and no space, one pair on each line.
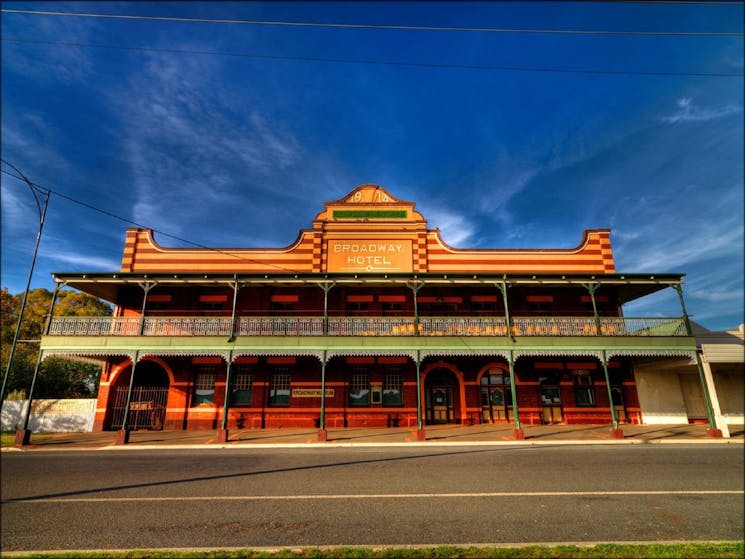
436,435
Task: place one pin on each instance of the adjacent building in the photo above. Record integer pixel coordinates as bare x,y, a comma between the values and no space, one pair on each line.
370,319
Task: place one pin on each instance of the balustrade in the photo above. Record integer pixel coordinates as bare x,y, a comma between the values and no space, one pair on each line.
365,326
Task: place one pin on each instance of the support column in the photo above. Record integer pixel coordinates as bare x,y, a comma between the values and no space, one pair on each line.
720,419
592,287
517,432
715,427
615,431
322,433
713,430
326,286
146,287
23,435
420,434
122,436
234,317
503,288
415,287
223,433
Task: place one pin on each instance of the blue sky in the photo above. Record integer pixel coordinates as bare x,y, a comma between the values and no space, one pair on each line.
240,151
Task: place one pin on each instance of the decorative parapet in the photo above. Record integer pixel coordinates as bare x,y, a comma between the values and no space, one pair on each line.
367,231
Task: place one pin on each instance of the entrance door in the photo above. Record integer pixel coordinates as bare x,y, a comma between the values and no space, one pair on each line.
550,399
442,404
439,388
496,397
147,407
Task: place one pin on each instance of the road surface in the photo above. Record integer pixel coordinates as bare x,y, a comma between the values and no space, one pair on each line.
243,497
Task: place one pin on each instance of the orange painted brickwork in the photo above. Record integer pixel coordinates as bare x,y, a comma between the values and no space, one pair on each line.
368,231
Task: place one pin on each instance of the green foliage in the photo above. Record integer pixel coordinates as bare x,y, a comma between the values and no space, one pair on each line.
16,395
58,378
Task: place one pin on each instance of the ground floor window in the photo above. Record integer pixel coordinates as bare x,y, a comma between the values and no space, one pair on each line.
584,391
359,388
393,394
279,387
550,394
242,386
204,384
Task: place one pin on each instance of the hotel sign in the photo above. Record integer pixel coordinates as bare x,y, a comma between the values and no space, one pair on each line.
369,255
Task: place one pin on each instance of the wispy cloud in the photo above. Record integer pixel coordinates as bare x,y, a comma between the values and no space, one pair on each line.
46,63
27,139
81,261
188,153
15,209
456,229
688,111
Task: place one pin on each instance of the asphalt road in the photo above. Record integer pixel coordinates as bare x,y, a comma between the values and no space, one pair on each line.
212,498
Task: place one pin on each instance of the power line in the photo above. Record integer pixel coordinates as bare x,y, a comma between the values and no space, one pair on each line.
376,62
380,27
45,190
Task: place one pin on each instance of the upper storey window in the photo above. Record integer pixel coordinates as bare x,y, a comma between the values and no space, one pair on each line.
484,304
156,304
439,306
540,305
283,305
212,303
601,302
358,304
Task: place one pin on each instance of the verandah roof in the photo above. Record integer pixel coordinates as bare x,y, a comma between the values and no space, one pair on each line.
111,286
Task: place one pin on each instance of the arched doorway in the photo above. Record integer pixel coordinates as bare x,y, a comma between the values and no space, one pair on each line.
441,393
147,408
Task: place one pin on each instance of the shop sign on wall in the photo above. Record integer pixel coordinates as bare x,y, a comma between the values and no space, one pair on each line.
311,393
366,255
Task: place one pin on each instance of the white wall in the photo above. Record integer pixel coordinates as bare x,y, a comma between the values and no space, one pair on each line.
50,416
730,385
660,396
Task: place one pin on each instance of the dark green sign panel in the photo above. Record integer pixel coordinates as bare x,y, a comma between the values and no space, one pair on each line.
369,214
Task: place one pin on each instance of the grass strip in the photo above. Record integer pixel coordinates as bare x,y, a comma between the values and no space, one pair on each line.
703,550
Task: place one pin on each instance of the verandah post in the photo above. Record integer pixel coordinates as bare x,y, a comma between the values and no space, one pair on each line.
122,436
322,434
615,431
326,286
146,287
503,288
420,434
223,433
712,431
517,432
591,288
415,287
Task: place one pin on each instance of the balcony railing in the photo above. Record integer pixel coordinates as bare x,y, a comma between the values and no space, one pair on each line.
365,326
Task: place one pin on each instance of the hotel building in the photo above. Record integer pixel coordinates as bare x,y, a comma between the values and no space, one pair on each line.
370,319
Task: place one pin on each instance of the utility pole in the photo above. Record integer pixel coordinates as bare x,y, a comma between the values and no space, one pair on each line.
37,192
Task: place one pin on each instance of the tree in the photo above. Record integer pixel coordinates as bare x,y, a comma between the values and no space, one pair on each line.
58,377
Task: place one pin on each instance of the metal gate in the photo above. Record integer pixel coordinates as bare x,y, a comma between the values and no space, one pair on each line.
147,409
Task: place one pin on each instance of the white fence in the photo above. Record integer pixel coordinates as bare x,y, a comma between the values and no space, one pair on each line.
50,416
